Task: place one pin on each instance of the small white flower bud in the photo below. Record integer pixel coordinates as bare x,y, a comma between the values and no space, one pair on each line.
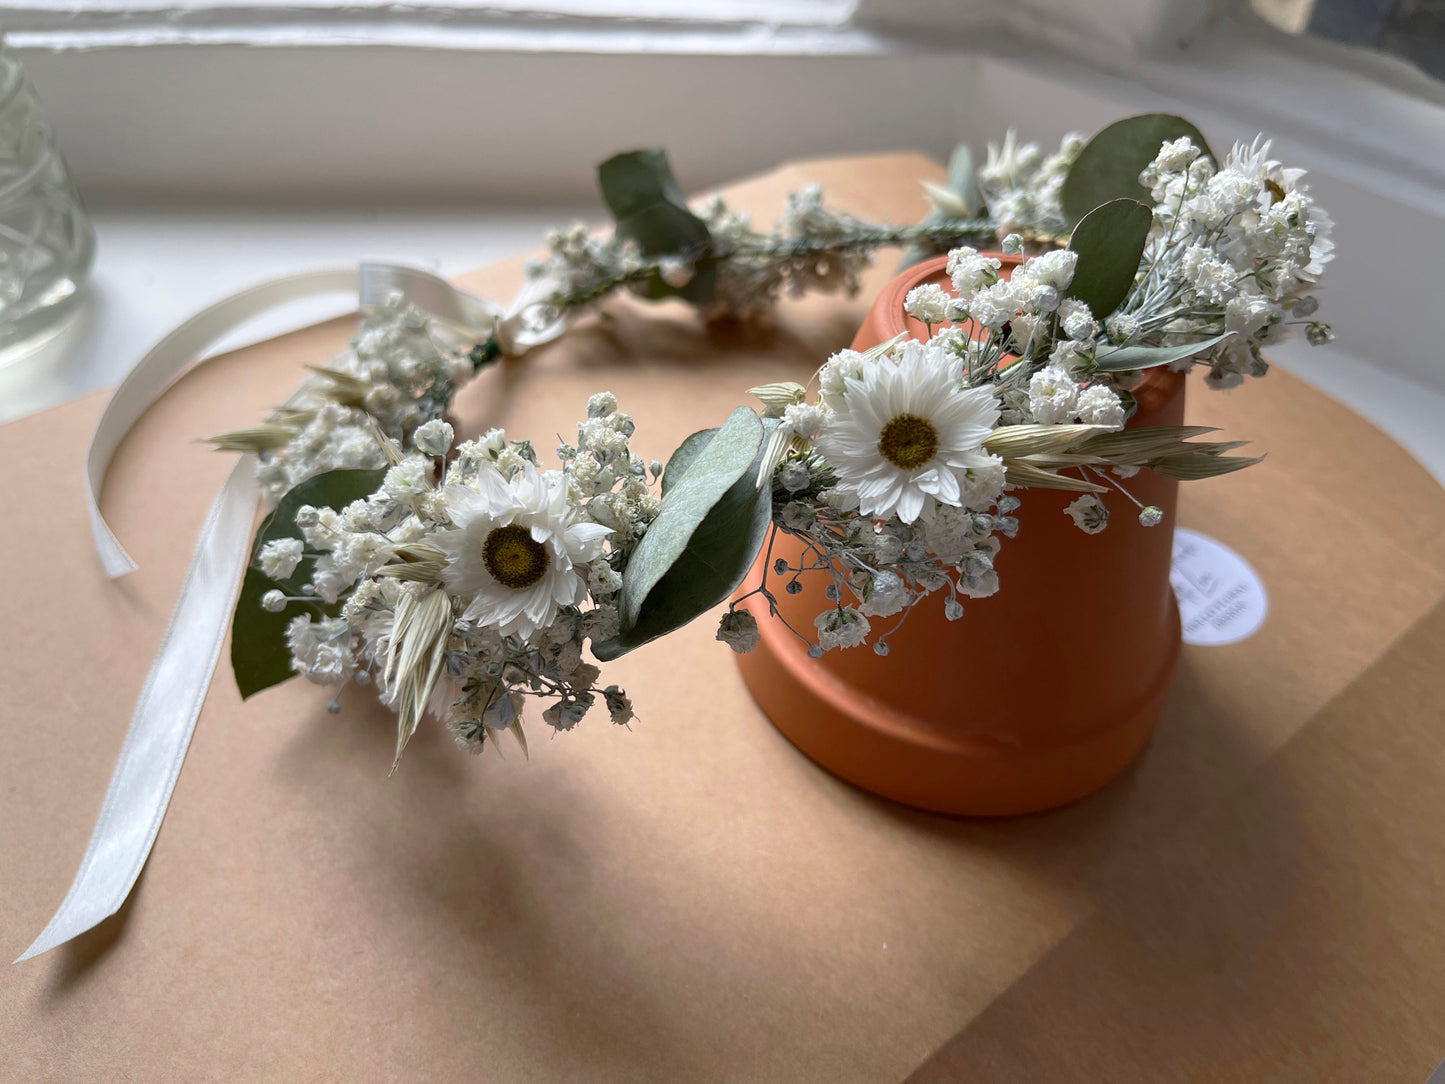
794,476
279,557
739,630
927,303
434,437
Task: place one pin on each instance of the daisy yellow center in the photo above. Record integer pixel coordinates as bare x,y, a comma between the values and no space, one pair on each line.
908,441
513,557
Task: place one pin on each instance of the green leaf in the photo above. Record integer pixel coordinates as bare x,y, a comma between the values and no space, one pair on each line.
681,459
717,559
1126,358
634,180
650,208
1109,166
1110,240
663,229
703,541
259,656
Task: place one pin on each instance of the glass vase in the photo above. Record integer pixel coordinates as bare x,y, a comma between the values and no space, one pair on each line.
46,240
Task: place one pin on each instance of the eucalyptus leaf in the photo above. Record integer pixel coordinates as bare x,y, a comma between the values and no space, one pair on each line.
259,655
1109,242
719,463
650,208
635,180
1109,165
717,559
1126,358
703,541
680,460
663,229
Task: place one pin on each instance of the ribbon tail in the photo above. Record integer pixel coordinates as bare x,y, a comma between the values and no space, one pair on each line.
165,716
170,702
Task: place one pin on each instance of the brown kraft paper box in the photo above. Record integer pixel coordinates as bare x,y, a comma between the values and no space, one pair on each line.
691,899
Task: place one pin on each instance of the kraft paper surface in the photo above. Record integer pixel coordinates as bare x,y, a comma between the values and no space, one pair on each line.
691,899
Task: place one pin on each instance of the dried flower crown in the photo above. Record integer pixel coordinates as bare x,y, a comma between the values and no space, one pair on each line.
463,578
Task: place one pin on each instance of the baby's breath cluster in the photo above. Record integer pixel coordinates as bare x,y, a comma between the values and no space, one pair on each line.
472,578
581,267
400,370
877,569
1026,336
887,482
1021,184
1236,247
813,249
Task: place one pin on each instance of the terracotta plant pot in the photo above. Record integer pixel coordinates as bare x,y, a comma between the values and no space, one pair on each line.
1036,696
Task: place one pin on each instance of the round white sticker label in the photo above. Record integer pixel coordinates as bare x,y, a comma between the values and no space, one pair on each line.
1221,599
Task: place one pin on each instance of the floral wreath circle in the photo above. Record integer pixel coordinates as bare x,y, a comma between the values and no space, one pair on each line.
463,578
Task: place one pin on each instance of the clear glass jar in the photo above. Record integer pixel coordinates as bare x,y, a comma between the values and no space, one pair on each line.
46,240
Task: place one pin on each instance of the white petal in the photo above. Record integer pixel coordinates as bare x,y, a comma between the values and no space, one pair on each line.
910,504
464,504
945,486
494,491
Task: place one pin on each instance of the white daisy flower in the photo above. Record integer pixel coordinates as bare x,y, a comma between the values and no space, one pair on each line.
518,552
904,433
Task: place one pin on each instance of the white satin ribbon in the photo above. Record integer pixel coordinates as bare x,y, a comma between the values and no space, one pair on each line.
165,717
165,363
170,701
